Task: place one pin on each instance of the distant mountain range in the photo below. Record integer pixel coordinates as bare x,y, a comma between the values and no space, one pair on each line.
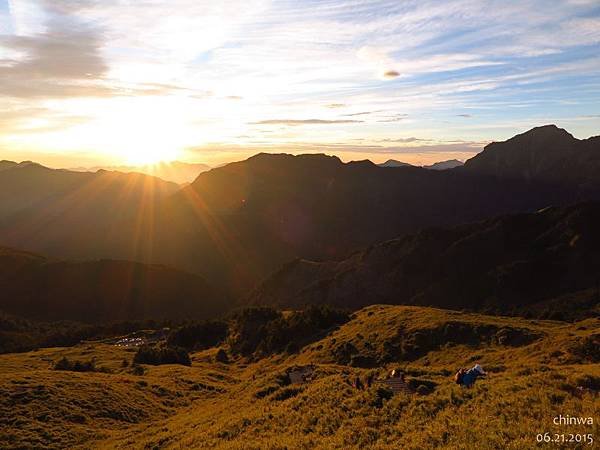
440,165
394,163
509,264
35,287
443,165
174,171
238,223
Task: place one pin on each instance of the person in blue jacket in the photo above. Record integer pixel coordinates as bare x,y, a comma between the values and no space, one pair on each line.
469,377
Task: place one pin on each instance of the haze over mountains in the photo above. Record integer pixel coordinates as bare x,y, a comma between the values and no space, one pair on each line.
28,186
236,224
174,171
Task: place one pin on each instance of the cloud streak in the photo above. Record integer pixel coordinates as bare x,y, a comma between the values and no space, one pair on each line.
295,122
62,61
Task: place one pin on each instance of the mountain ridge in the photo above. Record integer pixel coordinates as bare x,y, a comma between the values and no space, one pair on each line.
238,223
503,265
546,153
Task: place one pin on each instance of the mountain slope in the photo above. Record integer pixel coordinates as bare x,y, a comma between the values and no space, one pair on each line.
35,287
546,153
77,214
503,265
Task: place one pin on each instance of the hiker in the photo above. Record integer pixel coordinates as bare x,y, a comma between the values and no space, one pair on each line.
358,384
370,379
467,378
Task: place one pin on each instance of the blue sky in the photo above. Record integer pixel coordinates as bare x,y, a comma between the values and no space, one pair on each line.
113,81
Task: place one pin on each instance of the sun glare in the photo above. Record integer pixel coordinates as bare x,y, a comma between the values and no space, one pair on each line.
149,155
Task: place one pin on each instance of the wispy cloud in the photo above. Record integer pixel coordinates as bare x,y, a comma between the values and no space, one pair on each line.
294,122
63,60
184,63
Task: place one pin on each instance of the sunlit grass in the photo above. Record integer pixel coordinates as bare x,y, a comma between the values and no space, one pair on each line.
246,404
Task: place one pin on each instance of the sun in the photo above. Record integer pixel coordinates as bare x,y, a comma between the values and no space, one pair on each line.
142,132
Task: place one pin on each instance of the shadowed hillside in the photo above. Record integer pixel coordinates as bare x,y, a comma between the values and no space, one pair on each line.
31,188
511,264
314,206
100,291
78,215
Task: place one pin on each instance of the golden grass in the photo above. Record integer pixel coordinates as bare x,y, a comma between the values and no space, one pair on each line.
245,405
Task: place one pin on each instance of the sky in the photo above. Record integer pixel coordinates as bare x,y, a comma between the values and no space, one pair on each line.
86,82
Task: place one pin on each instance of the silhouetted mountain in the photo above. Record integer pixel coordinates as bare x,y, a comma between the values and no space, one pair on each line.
76,214
443,165
175,171
5,164
28,184
547,153
238,223
394,163
281,207
99,291
503,265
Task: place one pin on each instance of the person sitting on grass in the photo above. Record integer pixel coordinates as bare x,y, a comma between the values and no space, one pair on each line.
467,378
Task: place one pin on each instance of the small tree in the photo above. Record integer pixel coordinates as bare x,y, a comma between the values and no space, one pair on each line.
162,355
221,356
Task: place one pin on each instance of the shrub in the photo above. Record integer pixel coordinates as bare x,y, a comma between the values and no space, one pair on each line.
421,386
262,393
75,366
221,356
292,348
162,355
286,393
589,382
267,331
248,328
380,394
588,348
199,336
343,353
423,390
136,369
367,362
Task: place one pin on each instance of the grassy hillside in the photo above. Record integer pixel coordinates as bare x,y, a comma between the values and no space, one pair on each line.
538,370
